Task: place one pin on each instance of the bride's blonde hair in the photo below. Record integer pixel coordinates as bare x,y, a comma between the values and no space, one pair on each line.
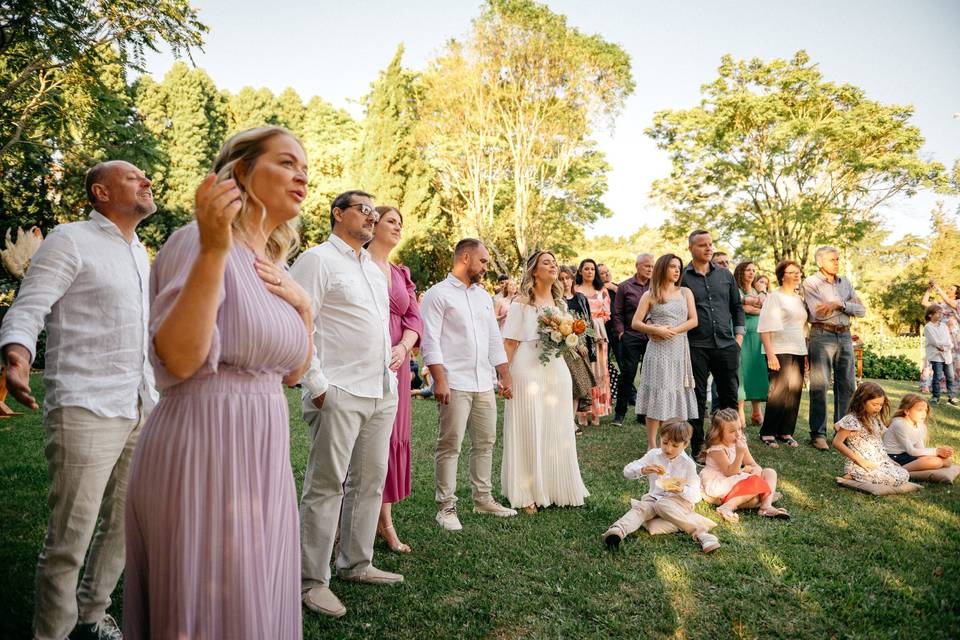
246,147
526,284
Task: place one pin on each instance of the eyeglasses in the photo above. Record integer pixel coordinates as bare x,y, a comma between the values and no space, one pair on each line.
365,209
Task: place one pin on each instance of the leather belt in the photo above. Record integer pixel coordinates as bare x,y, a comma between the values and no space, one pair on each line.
832,328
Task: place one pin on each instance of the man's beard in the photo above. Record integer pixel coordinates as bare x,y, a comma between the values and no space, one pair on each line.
475,278
362,235
143,210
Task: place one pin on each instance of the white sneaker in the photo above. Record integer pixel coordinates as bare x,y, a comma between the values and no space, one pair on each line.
708,542
447,518
494,508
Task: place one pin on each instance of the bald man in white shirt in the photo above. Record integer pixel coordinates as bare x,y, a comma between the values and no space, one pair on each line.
88,286
461,345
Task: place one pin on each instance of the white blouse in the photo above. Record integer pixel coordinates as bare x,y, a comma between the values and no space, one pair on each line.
785,317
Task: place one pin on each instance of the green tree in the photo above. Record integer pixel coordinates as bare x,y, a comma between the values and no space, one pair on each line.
49,46
329,137
188,116
290,111
779,159
251,108
389,163
508,113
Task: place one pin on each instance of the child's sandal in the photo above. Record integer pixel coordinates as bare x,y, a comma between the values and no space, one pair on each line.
774,512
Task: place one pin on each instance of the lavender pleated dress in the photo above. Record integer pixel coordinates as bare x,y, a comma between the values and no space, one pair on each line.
213,545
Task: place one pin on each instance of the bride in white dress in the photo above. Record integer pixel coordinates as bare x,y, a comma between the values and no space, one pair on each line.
540,465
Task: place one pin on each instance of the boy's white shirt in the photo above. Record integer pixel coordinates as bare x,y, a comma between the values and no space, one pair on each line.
680,467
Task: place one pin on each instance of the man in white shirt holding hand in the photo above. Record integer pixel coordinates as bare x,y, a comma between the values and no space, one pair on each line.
349,403
461,345
88,285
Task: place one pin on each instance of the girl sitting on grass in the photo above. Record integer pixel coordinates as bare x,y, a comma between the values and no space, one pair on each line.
859,439
731,475
905,440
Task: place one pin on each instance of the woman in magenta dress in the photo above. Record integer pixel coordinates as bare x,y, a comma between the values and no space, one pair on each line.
213,548
405,330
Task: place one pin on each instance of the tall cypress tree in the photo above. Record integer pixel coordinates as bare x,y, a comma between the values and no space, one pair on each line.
189,117
388,163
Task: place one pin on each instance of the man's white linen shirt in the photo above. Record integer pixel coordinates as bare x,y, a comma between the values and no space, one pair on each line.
351,320
460,332
91,288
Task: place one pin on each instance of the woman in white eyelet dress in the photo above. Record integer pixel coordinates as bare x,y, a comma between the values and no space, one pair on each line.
540,466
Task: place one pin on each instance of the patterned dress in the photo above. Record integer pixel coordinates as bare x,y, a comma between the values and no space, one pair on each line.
667,387
213,544
600,313
870,447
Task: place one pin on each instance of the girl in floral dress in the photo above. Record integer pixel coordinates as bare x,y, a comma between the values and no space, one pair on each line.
860,439
591,286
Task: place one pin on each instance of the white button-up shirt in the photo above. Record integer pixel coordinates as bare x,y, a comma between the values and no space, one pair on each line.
460,331
351,320
91,289
680,467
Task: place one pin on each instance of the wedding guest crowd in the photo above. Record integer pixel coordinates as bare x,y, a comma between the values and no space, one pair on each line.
225,324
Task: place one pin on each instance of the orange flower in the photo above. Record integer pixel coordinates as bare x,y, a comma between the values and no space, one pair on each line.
579,327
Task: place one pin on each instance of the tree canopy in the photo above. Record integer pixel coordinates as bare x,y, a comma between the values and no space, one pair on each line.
779,159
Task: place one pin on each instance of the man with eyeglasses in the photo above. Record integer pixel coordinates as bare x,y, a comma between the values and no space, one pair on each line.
349,403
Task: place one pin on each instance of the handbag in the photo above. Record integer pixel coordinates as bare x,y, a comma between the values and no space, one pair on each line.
581,375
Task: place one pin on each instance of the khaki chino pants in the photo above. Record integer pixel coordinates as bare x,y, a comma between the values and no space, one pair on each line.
88,462
476,413
674,510
347,466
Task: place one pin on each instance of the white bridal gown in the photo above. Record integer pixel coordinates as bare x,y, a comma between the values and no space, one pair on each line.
539,445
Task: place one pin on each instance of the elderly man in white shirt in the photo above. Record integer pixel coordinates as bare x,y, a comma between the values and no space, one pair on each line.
461,345
349,403
88,285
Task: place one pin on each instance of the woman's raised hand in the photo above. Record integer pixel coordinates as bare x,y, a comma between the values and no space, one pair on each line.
216,206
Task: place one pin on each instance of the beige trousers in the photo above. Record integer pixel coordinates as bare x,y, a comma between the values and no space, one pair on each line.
346,469
676,511
88,461
476,413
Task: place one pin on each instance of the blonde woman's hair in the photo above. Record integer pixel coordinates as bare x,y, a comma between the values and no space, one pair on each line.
526,284
246,147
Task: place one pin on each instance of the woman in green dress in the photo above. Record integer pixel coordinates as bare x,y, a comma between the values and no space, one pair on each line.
753,365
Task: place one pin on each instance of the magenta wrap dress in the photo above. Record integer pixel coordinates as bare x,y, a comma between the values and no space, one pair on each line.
404,314
213,543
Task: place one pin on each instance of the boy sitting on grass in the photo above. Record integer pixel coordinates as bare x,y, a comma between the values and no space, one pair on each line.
673,491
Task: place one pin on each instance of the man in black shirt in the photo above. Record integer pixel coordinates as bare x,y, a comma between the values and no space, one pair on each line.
715,342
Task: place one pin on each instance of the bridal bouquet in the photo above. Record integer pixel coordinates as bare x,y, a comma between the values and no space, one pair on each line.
560,331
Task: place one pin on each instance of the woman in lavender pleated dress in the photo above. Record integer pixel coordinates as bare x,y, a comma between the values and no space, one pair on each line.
213,547
405,330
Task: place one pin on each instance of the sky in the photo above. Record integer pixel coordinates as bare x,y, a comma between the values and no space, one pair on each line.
897,52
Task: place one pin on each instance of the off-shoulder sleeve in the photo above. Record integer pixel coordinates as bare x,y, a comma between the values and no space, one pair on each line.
515,326
849,422
411,318
167,277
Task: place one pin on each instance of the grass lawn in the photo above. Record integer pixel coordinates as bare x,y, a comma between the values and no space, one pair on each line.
847,565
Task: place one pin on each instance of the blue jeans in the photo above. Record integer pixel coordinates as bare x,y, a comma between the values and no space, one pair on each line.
942,370
830,352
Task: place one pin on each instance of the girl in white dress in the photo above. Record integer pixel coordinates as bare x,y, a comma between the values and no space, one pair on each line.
540,465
